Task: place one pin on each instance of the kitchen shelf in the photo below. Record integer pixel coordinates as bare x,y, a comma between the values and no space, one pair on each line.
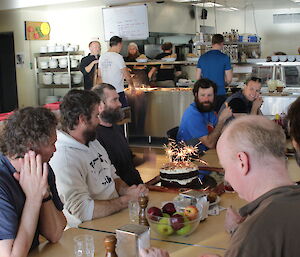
39,73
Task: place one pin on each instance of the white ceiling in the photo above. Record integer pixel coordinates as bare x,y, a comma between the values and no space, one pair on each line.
50,4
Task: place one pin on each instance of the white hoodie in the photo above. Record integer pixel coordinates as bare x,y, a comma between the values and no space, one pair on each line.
83,174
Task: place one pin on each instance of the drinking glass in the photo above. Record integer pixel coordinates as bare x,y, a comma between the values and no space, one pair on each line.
227,187
134,209
84,246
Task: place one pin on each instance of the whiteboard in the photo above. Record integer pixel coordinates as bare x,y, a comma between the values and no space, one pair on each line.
127,22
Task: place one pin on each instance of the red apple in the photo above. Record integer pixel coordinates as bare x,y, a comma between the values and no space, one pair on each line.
30,29
169,208
36,35
154,213
177,221
191,212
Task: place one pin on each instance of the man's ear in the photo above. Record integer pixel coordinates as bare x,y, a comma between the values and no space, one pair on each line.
101,107
244,162
81,120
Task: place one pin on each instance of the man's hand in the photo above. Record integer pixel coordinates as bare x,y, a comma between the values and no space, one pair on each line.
232,220
225,114
95,62
257,103
135,191
149,156
153,252
33,177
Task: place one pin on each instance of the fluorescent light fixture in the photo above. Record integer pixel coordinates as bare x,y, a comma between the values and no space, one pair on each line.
209,4
296,1
229,9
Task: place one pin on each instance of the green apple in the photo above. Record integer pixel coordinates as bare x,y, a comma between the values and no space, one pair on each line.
164,228
166,215
186,229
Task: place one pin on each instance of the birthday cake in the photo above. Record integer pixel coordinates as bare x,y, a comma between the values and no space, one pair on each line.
180,174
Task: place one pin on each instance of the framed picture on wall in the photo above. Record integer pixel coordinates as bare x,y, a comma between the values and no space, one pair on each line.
37,30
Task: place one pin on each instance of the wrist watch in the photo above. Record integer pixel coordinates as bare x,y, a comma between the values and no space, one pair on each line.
48,198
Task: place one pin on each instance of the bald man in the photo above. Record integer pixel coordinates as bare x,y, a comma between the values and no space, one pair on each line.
294,124
252,152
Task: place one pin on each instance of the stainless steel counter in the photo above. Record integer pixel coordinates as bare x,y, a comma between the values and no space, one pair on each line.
154,112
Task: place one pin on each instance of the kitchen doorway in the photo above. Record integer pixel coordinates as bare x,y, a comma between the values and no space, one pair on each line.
8,81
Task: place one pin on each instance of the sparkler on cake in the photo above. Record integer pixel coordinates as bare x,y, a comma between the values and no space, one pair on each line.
180,171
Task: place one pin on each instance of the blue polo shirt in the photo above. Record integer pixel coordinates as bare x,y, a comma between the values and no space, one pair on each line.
213,65
12,200
196,124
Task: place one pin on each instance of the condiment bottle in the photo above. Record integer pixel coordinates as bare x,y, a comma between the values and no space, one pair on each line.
110,246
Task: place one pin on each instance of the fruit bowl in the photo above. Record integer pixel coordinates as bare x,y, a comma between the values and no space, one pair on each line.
175,222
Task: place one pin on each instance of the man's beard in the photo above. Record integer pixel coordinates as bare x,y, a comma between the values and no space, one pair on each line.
111,115
205,106
89,135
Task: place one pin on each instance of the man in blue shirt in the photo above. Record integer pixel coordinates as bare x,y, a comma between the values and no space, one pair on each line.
215,65
29,202
199,122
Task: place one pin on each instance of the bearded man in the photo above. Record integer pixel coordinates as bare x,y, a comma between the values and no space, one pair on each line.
87,182
111,137
199,123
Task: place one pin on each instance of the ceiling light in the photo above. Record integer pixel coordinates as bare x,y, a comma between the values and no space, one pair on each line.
296,1
209,4
229,9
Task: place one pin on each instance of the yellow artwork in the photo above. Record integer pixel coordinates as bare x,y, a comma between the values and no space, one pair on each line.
35,30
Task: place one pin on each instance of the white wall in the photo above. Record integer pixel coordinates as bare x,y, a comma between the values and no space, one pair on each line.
275,37
76,26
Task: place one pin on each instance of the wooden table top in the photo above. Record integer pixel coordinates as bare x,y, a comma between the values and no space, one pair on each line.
65,246
209,232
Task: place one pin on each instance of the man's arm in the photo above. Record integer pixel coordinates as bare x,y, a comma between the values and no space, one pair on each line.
127,77
257,103
228,76
33,181
198,73
151,72
99,78
89,67
211,139
104,208
52,222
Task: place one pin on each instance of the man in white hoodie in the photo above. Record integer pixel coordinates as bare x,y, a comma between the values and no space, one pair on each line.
86,180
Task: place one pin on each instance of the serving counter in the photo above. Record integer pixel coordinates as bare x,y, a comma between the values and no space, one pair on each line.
156,110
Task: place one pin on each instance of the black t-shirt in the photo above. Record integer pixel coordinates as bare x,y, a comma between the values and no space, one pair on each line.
88,76
114,142
240,105
164,73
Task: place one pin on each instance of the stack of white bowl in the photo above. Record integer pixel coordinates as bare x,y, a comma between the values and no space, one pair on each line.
76,78
74,63
65,78
57,78
59,48
63,63
47,78
51,47
53,63
43,65
43,49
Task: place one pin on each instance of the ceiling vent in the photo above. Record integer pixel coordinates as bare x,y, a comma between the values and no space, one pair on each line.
286,18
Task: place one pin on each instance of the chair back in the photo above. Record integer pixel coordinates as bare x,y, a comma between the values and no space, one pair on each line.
172,133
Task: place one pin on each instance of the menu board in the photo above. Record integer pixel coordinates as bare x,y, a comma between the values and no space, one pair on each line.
127,22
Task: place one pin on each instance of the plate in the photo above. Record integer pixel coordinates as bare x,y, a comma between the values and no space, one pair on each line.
215,202
169,59
192,59
142,60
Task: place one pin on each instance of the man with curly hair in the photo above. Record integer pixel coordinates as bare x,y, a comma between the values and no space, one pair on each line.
29,202
86,180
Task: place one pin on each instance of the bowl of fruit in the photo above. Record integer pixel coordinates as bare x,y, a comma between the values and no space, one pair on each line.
168,220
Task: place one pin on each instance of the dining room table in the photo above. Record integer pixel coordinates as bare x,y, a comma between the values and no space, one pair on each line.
65,246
